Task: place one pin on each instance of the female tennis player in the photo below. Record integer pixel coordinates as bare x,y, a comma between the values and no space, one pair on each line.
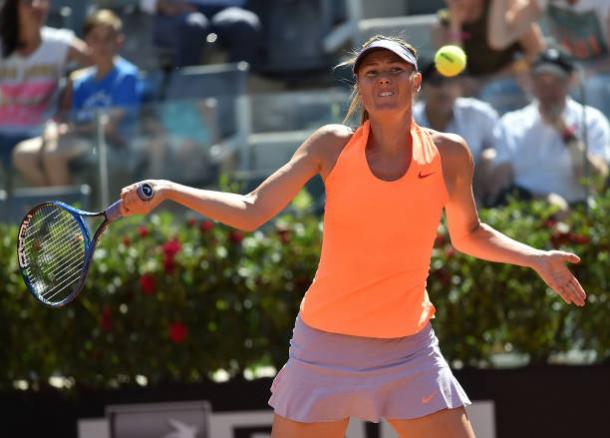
363,344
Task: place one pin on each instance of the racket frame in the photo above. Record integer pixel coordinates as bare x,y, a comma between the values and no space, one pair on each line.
88,242
112,213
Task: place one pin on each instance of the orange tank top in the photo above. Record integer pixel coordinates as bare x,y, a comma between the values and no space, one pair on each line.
377,244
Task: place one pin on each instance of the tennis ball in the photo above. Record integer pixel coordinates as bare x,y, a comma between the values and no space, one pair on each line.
450,60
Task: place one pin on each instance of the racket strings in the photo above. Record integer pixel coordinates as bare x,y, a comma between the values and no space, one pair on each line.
55,251
66,250
62,246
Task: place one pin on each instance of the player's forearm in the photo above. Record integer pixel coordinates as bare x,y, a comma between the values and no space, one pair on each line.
489,244
235,210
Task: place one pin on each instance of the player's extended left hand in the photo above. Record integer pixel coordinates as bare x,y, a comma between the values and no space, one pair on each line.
551,266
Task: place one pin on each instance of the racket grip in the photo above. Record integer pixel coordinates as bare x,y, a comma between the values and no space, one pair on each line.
145,192
113,212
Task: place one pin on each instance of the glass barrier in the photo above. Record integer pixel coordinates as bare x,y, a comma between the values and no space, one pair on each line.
296,111
183,140
191,141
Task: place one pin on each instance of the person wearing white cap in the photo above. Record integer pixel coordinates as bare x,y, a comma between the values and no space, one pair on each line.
363,344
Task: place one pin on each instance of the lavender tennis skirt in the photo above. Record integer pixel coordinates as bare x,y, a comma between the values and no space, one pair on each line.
329,377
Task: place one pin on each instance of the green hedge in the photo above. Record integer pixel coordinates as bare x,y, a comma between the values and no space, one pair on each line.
175,300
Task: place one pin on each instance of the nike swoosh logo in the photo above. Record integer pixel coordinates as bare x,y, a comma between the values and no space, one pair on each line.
428,399
425,175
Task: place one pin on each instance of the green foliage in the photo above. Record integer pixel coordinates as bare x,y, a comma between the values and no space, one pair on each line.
174,299
485,309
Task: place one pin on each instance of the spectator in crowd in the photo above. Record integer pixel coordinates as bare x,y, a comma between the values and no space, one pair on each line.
496,74
541,150
177,139
443,109
32,64
184,26
111,84
581,27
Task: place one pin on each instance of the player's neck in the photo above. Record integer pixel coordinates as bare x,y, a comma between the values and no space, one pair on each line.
389,134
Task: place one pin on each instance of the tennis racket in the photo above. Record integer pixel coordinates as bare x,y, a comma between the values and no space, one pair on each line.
55,248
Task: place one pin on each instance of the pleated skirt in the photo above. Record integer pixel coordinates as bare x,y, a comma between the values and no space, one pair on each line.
329,377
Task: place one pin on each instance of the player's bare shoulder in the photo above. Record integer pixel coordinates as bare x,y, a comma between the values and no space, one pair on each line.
332,136
328,142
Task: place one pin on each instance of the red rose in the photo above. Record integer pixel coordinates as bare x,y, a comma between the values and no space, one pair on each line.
206,226
143,231
126,241
106,319
578,239
178,332
171,248
558,239
147,284
284,235
169,264
191,222
550,223
236,236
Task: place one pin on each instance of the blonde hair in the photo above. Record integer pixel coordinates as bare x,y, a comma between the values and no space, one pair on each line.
355,101
103,17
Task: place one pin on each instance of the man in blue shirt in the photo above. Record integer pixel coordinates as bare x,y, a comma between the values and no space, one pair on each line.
111,85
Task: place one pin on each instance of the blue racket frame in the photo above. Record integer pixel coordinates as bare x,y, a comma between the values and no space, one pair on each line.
112,213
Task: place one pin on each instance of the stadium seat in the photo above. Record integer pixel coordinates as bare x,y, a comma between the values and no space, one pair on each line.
293,34
224,82
422,7
227,84
69,14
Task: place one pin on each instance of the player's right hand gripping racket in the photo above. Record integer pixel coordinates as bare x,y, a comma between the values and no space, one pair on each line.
55,247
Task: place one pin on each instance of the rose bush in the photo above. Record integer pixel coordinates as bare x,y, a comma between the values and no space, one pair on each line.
175,299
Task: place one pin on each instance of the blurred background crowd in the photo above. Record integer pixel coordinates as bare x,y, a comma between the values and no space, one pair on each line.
95,94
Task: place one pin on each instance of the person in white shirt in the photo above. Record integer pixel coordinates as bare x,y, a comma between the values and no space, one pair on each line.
443,109
184,26
32,64
541,150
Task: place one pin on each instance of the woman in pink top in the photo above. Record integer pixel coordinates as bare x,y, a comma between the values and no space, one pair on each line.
352,353
32,61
